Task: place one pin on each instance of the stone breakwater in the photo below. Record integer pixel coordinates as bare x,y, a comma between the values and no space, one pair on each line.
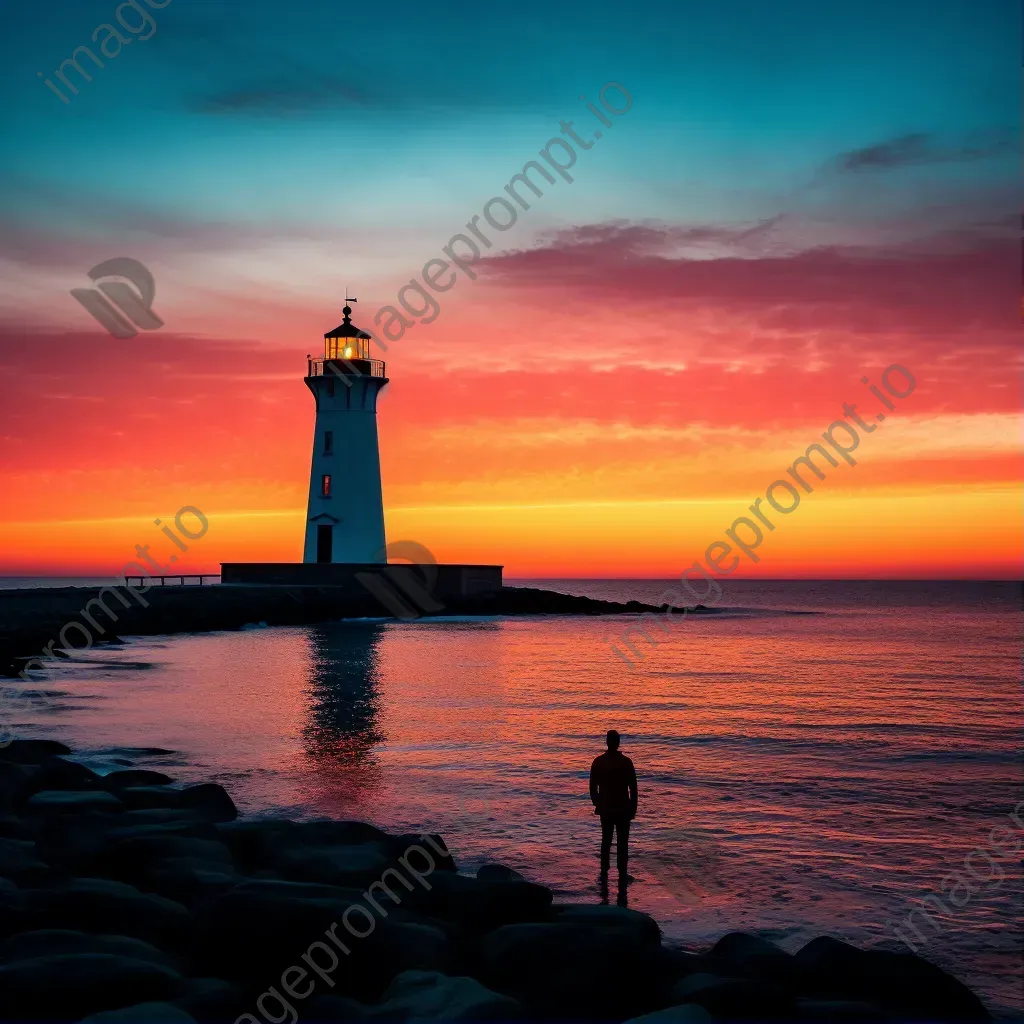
125,899
37,625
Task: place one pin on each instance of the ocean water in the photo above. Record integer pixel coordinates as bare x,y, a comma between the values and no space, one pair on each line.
814,761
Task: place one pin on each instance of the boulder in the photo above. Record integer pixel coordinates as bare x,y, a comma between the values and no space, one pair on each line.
336,1008
130,858
57,941
148,798
133,777
572,969
476,903
11,826
498,873
214,1000
209,801
900,984
19,863
823,1010
354,865
247,934
392,947
431,996
13,916
16,783
748,956
635,926
188,880
686,1013
58,802
32,751
255,843
331,833
100,905
142,1013
735,998
59,773
67,987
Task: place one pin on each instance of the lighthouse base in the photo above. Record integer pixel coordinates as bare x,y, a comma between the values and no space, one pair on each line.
400,589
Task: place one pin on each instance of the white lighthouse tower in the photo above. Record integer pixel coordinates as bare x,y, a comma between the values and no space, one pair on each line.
345,517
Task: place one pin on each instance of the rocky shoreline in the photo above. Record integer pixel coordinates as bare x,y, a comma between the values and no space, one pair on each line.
33,621
125,898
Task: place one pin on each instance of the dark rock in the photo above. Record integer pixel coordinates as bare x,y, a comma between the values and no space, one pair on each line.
301,890
393,947
100,905
13,916
685,1013
498,873
836,1010
634,926
248,934
338,1008
56,801
735,998
57,941
329,833
900,984
477,903
19,863
255,843
142,1013
188,880
210,801
177,825
149,798
430,842
748,956
572,969
163,816
58,773
214,1000
354,865
16,784
133,778
32,751
67,987
430,996
12,827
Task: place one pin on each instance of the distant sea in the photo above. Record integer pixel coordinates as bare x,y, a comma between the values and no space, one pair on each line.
800,774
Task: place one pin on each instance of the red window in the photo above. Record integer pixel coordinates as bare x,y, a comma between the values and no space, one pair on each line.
325,485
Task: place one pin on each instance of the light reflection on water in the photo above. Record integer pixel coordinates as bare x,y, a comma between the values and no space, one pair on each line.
799,775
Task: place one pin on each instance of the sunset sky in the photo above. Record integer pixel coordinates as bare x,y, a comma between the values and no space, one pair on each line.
801,195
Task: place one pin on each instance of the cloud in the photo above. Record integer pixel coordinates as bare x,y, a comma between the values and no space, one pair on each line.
278,98
961,280
918,148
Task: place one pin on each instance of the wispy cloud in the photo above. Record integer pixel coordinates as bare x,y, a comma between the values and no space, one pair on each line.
917,148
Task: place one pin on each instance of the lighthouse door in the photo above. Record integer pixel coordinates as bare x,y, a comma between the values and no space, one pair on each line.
324,543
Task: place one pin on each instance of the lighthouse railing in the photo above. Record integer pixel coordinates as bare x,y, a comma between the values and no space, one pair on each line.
346,367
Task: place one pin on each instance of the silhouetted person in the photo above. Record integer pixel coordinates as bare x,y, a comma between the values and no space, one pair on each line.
614,794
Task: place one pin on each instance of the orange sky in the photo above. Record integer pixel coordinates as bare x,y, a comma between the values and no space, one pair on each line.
556,430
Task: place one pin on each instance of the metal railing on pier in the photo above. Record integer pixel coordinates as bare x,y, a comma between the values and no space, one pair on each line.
180,577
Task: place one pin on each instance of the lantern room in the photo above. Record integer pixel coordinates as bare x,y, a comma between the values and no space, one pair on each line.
346,341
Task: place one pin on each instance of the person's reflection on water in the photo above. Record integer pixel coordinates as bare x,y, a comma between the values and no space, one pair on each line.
342,730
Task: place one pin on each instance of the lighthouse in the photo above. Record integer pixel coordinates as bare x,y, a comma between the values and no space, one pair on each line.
345,512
